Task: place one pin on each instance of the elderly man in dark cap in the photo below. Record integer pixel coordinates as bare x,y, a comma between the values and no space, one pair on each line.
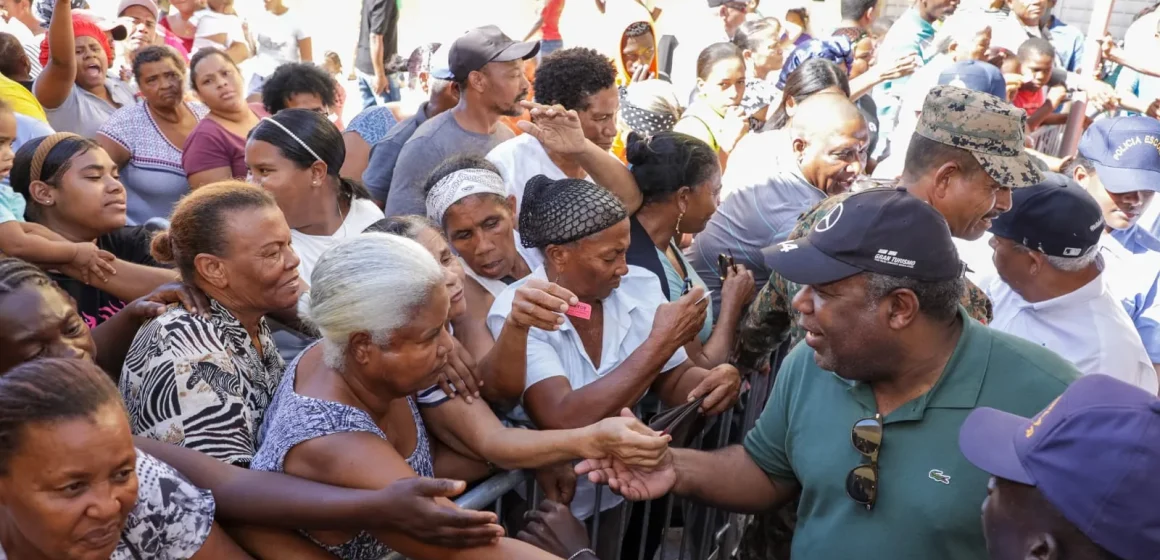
1049,285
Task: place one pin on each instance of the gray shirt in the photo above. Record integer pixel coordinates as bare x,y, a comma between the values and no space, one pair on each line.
751,218
385,154
435,140
84,113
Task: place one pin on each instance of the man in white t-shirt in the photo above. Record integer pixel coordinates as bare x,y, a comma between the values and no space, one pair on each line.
580,80
23,25
279,38
1050,287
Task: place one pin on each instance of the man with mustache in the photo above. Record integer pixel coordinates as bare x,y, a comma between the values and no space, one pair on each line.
969,187
580,80
1119,165
488,67
1049,287
956,182
823,150
863,418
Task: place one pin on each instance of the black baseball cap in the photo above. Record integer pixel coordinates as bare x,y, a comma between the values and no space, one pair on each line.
884,231
480,46
1057,217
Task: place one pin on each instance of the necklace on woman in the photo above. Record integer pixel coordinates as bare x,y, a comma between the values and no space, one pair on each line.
341,233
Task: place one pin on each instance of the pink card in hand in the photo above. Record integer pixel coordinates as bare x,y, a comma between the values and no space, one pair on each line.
581,311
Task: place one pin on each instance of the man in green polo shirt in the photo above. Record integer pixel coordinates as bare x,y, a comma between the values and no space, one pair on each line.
892,364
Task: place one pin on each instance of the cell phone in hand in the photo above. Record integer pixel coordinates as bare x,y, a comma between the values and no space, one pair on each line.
725,263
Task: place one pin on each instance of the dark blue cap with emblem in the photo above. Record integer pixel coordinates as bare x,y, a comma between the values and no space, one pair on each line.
1125,152
976,76
1056,217
884,231
1093,454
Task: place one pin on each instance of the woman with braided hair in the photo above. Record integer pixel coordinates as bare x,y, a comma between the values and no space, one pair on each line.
583,371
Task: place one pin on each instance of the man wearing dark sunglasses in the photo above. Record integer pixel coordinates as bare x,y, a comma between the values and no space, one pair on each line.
733,13
864,416
1075,482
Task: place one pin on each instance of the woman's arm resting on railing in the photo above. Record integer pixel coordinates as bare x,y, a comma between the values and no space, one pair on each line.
278,500
364,460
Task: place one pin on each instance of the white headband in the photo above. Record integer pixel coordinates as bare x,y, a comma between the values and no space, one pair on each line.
459,185
292,135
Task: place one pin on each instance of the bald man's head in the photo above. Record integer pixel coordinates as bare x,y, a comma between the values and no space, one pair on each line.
830,140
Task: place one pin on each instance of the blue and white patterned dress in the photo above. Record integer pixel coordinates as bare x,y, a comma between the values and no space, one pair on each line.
372,124
292,419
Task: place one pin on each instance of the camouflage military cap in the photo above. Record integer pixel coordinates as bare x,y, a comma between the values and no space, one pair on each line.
988,127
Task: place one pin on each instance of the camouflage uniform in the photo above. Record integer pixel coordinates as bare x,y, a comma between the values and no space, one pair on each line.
992,131
988,127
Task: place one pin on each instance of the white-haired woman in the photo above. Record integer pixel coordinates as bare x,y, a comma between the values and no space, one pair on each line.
349,395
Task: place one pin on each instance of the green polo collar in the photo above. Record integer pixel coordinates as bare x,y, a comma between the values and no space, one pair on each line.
959,385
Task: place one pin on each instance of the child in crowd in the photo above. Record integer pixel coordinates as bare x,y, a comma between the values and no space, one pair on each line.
1037,58
33,242
333,66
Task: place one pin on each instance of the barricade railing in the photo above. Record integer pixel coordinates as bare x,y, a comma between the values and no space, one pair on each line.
705,533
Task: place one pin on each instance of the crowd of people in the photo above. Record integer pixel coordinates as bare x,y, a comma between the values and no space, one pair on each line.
233,325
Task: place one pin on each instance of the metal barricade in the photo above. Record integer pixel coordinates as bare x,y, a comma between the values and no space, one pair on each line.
706,533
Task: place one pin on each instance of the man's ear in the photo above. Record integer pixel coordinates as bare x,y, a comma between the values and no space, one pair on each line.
903,307
943,177
799,145
1042,547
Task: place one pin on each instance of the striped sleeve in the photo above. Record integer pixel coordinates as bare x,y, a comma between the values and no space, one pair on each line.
432,396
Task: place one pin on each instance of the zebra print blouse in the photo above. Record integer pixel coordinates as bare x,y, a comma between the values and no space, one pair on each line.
201,383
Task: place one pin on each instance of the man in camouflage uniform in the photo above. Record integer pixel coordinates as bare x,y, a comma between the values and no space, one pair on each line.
964,158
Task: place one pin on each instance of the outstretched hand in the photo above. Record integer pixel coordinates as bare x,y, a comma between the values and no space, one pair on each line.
557,128
634,483
408,505
629,440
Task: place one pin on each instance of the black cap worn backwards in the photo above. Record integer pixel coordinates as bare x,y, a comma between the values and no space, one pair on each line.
884,231
1056,217
482,45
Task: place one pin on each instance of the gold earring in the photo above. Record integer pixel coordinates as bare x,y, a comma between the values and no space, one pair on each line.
682,215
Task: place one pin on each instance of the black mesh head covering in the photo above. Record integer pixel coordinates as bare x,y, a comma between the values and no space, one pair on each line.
559,212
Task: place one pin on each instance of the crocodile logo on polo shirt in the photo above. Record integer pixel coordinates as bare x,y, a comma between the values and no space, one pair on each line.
938,476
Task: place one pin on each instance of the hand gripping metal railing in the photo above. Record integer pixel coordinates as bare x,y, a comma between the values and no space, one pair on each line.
705,533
